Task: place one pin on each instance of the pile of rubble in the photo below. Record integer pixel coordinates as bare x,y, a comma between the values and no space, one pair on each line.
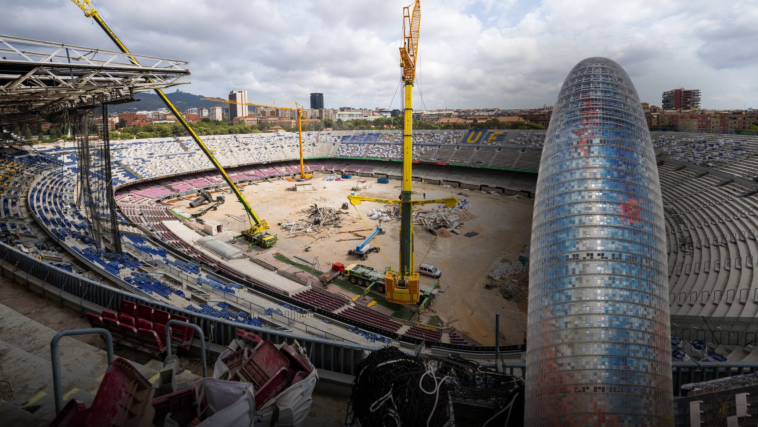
505,269
511,279
386,214
438,220
315,220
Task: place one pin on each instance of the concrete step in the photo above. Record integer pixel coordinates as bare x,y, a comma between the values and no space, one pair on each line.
445,337
31,377
82,358
12,415
25,361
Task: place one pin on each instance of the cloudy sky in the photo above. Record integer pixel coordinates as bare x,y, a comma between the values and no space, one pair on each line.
473,53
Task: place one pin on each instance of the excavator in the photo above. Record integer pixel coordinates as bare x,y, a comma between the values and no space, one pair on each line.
256,234
402,286
299,108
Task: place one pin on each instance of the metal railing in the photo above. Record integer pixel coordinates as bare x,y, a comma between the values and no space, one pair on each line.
56,358
201,338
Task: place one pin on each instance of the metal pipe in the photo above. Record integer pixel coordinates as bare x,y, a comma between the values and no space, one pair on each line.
56,358
198,330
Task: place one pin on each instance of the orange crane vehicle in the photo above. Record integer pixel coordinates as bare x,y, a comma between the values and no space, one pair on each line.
403,286
257,233
299,108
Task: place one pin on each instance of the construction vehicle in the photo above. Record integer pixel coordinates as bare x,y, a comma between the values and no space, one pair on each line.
336,270
363,275
205,196
300,111
364,248
213,206
257,231
403,286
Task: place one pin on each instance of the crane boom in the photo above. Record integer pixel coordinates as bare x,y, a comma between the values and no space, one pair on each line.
297,108
256,224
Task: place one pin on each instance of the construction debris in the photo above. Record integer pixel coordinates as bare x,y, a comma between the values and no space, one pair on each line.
315,220
505,269
514,290
439,219
236,218
386,214
331,177
511,279
471,234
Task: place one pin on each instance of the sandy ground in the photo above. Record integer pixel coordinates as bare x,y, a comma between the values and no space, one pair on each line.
503,224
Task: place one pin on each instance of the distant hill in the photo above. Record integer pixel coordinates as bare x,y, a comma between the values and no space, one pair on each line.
150,101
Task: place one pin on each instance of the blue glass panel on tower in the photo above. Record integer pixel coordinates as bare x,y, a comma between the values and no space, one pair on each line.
599,351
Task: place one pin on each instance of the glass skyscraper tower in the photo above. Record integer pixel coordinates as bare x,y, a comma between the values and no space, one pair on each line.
598,349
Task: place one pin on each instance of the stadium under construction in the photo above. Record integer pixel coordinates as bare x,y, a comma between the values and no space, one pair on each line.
299,269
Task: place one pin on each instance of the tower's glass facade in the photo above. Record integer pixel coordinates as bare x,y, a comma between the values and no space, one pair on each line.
598,351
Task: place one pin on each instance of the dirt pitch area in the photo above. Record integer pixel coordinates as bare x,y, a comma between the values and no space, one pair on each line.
503,224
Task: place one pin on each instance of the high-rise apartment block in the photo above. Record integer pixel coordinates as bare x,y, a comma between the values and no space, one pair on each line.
681,99
237,110
216,113
317,101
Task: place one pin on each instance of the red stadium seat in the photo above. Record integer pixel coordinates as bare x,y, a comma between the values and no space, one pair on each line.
161,317
107,314
113,326
151,339
95,321
128,307
181,336
131,334
126,320
143,324
145,312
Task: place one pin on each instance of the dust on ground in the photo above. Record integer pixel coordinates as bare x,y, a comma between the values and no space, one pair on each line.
503,224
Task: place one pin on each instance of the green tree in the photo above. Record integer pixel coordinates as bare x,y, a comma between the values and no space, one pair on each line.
144,135
55,132
27,132
328,123
126,135
121,124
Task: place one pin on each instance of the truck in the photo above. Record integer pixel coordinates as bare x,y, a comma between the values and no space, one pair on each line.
336,270
363,275
372,279
264,239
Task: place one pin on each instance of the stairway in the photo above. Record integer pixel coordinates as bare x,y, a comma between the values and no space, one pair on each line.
25,361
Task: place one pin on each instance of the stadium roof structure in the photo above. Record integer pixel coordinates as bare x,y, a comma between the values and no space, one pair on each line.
43,80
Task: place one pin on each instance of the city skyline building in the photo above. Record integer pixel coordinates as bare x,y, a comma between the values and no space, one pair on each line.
598,330
216,113
236,110
317,101
681,99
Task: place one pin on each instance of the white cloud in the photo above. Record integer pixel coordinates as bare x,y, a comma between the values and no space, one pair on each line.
506,53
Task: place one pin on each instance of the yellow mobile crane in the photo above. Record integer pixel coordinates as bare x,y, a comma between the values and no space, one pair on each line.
300,111
402,286
257,232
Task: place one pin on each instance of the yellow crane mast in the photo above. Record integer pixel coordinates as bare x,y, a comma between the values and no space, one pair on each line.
402,286
256,233
300,111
